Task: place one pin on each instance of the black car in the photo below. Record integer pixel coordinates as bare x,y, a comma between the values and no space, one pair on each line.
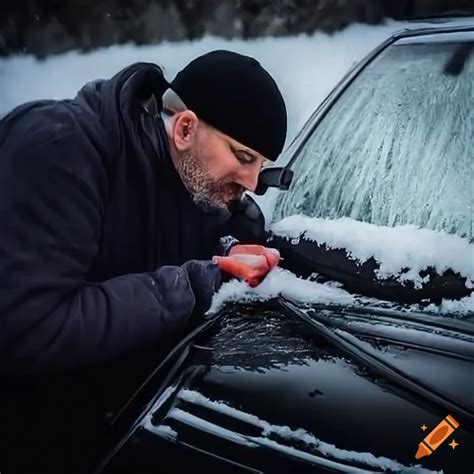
284,386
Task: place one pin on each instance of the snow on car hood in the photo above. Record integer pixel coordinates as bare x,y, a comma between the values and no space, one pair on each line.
282,283
287,436
394,248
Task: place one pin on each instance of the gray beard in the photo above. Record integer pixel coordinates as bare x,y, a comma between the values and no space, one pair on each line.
206,193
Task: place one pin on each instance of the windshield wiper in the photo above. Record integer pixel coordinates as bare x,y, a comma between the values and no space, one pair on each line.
457,61
352,346
401,315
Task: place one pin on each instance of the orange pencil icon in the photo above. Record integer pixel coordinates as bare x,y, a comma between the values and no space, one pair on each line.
436,437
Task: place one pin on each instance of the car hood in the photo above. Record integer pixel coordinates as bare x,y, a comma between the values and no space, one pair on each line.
262,388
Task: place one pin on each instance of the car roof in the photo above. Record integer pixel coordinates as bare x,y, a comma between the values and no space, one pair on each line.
431,26
437,20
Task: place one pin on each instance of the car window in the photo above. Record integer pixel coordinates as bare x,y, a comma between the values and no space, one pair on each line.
397,146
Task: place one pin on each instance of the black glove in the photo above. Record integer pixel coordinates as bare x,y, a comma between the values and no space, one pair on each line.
205,279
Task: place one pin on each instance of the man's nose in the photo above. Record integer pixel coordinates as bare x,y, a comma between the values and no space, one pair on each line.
249,175
249,178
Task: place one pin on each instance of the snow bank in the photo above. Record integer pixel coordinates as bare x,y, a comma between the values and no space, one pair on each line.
394,248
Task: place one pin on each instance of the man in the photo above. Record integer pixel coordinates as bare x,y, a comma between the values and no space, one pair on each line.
111,211
103,206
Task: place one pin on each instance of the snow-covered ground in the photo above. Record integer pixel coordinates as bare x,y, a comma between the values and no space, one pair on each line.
306,68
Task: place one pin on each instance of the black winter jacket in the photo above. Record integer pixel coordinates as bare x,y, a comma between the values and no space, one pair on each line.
90,207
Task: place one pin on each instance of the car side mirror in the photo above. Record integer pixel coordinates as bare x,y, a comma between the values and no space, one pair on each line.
277,177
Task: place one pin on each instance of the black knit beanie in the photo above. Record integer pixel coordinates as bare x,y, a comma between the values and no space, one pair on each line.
236,95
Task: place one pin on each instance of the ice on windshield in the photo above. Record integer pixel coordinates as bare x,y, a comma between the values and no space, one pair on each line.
396,148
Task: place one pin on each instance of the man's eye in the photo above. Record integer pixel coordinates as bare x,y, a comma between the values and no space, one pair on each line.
243,157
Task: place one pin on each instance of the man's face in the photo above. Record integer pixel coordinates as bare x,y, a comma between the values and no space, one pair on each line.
215,169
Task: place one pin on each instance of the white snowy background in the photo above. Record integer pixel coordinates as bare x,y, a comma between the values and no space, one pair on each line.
305,67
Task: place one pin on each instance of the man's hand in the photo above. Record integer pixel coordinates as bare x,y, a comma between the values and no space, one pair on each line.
250,263
205,280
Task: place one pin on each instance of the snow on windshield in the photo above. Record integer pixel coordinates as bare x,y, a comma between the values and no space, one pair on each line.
282,283
394,248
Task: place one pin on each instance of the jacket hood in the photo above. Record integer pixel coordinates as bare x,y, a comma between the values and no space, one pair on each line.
118,102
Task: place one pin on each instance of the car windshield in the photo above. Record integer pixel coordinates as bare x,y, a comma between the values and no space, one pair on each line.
397,146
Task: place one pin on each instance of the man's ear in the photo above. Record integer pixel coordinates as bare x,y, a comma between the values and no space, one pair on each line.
185,130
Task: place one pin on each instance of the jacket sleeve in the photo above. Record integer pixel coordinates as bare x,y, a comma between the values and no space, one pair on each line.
52,186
